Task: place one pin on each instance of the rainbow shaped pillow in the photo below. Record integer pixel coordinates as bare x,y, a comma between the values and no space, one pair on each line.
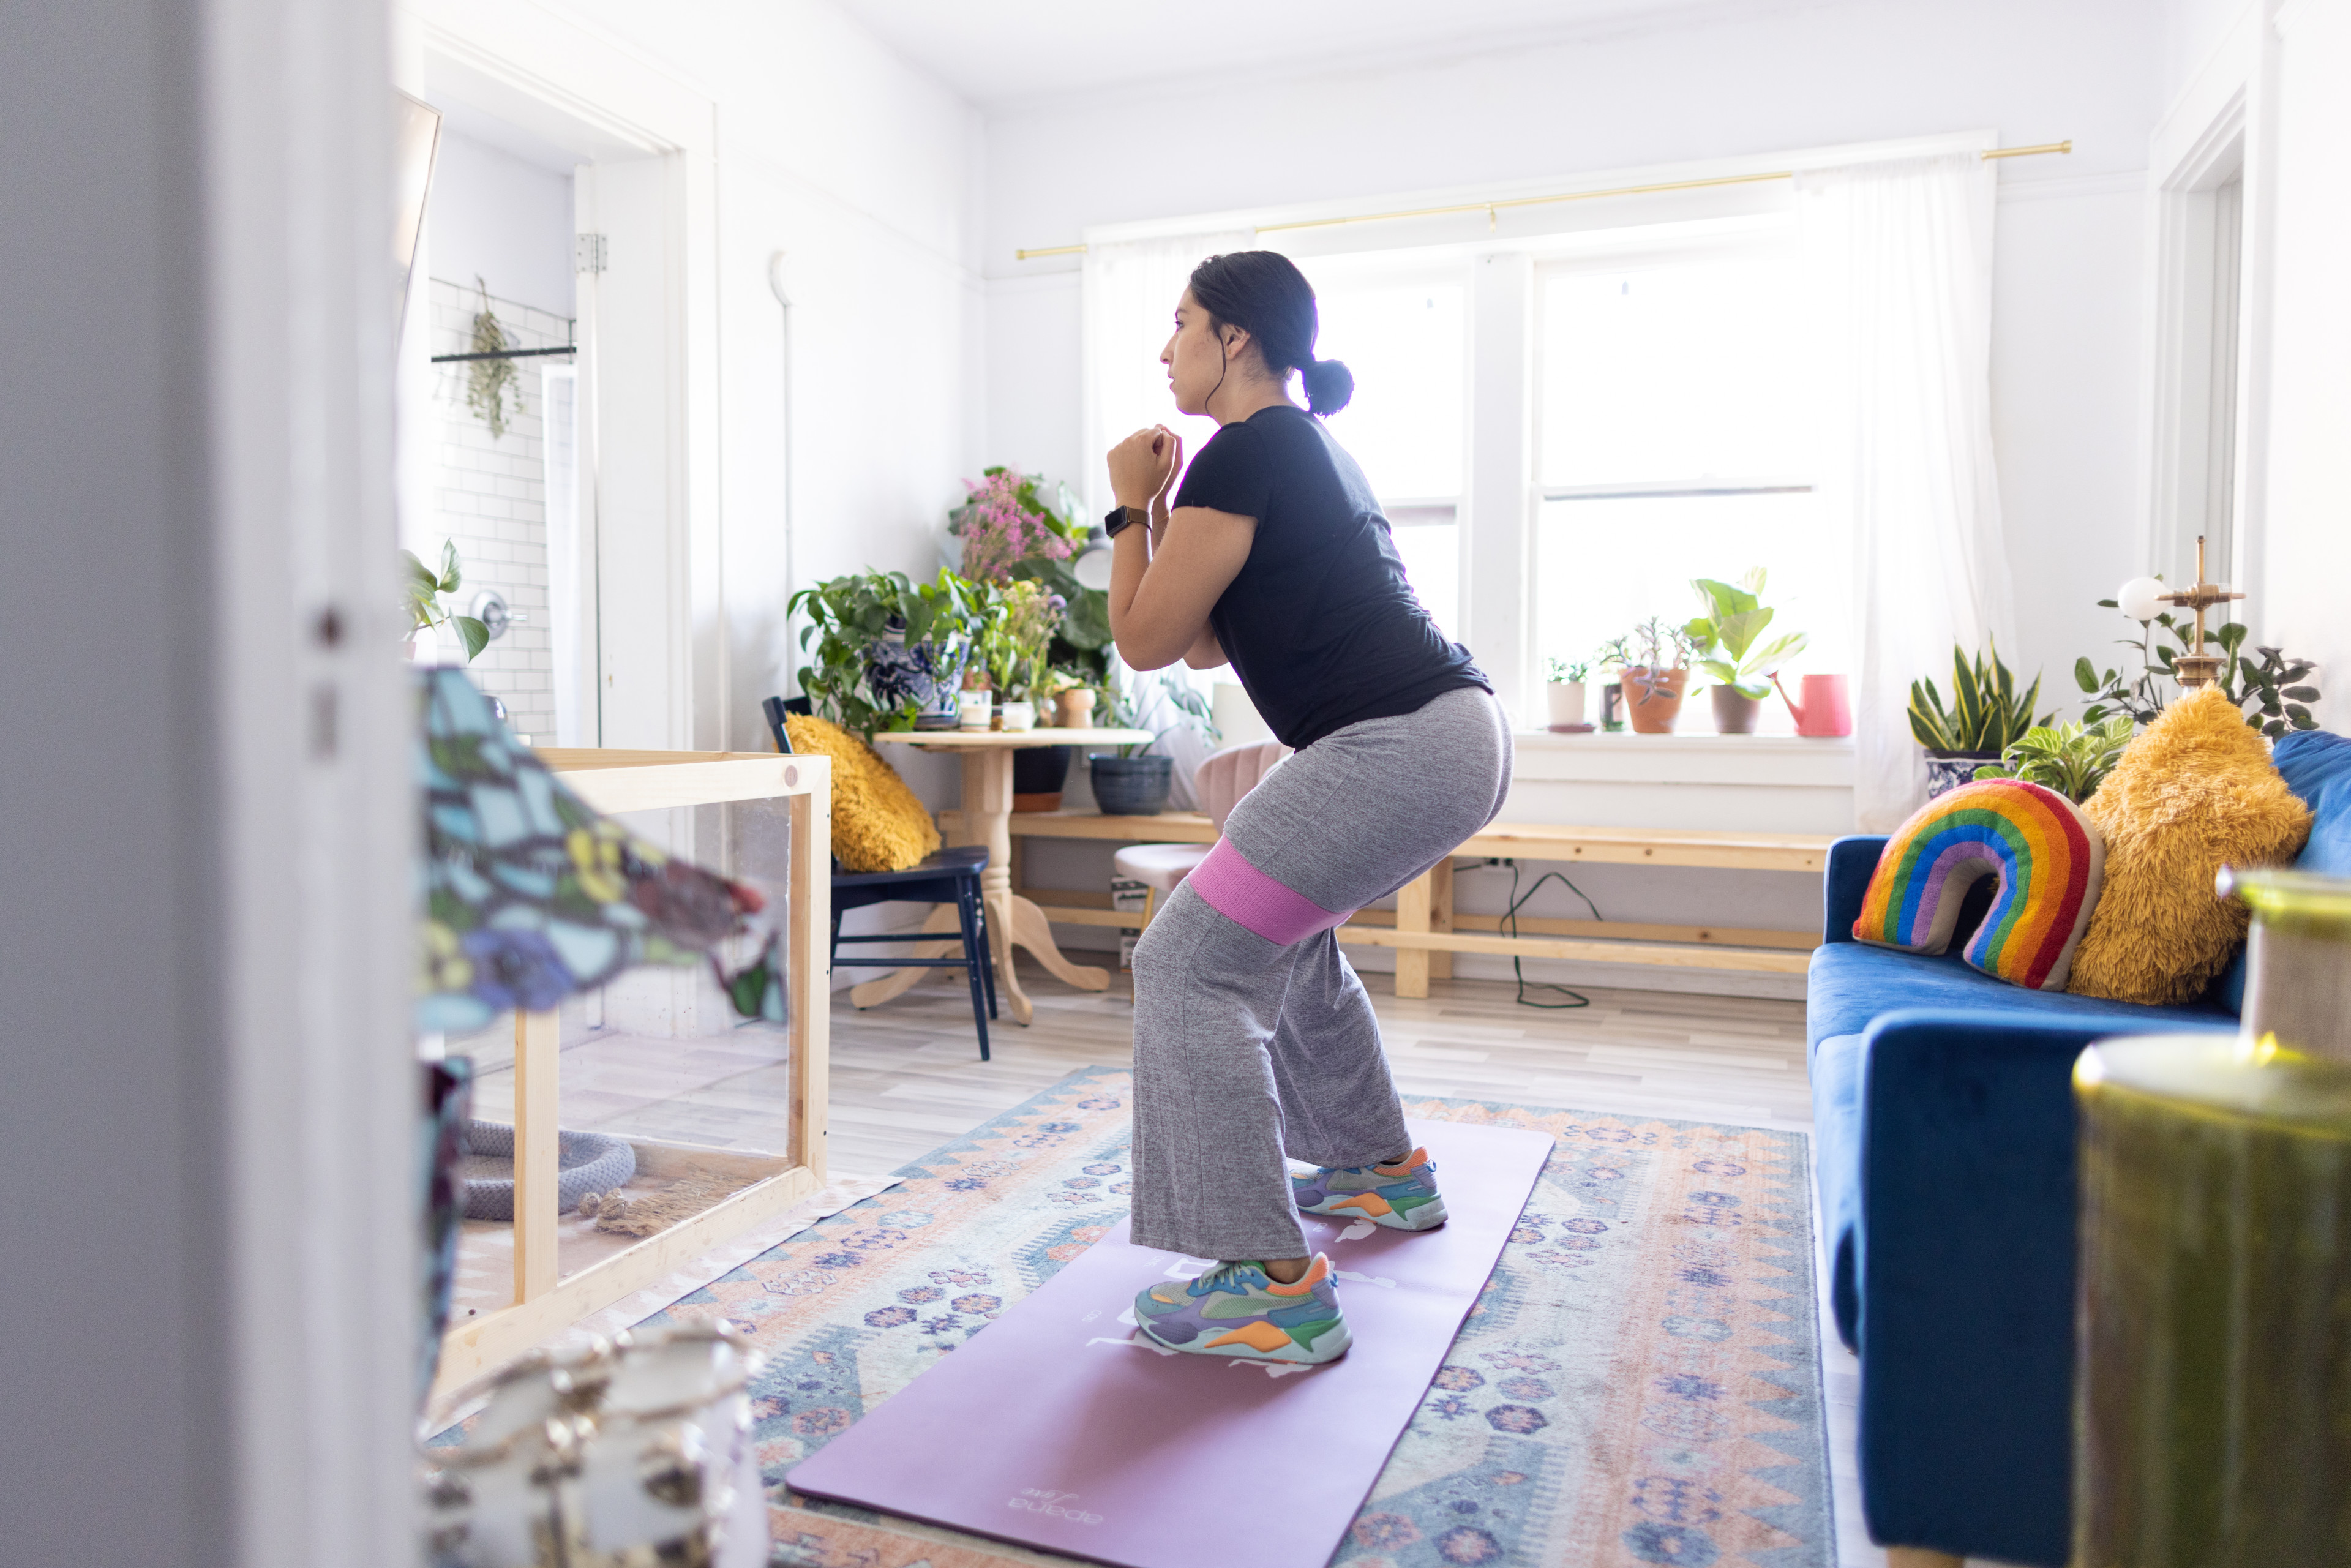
2050,858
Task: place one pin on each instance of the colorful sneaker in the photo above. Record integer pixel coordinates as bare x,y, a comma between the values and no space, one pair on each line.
1239,1310
1402,1196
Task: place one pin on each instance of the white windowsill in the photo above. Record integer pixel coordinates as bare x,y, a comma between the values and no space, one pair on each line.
1776,760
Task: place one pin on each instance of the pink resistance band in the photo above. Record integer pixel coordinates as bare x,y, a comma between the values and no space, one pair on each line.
1246,896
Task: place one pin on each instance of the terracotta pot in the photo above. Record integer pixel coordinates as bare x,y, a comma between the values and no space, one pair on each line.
1653,698
1735,712
1077,707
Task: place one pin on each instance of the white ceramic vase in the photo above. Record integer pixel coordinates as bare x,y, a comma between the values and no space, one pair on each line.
1566,699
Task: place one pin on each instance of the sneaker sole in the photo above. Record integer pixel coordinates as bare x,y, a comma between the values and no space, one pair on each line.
1328,1348
1427,1217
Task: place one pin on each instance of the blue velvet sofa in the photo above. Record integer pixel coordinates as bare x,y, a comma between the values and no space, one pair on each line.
1944,1139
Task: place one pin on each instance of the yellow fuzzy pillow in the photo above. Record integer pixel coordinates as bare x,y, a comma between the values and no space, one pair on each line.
877,824
2195,791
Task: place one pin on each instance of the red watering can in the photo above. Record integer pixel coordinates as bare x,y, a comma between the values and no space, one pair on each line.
1828,707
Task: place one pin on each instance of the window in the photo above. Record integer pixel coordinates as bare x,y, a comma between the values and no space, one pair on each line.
1675,440
1403,337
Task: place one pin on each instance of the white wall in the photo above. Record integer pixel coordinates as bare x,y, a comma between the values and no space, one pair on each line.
500,217
2068,339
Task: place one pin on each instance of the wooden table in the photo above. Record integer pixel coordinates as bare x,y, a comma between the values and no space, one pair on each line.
987,818
1425,932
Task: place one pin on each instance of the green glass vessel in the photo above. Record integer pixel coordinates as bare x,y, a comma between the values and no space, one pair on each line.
2213,1405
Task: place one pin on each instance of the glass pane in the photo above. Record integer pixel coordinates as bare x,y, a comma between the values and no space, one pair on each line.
1432,564
1605,565
1687,371
1404,344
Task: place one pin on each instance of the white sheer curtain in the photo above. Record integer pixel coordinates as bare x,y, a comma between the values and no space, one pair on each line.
1131,287
1901,254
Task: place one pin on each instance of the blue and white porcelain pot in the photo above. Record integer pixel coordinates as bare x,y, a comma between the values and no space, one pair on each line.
928,673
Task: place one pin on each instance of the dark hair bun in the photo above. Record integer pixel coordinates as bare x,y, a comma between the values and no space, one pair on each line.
1328,384
1263,293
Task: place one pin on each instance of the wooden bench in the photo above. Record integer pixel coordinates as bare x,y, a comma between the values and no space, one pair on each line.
1426,931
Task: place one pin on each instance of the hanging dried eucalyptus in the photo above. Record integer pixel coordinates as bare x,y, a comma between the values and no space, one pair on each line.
490,383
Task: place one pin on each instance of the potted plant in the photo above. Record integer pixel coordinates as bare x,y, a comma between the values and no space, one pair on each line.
2274,691
420,596
1657,671
1725,641
1986,717
1021,618
1136,781
1015,526
888,652
1564,691
2072,758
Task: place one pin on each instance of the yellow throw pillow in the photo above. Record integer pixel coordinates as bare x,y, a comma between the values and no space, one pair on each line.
2195,791
877,822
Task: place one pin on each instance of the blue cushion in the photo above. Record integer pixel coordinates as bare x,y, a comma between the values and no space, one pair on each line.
1851,984
1836,1169
2317,768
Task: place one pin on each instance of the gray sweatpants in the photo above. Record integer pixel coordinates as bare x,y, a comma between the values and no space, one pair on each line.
1253,1037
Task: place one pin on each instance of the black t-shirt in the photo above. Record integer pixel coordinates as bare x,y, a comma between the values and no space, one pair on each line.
1321,625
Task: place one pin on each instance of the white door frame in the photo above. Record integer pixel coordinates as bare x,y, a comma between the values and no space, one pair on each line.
2212,135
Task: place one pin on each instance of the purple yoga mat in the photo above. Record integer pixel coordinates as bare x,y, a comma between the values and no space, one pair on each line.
1055,1428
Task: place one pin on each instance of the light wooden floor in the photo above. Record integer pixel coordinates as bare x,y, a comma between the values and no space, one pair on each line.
907,1075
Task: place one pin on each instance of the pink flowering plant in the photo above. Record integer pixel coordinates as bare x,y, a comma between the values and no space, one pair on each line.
1007,521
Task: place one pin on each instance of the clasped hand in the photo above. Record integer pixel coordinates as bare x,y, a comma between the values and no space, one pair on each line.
1144,466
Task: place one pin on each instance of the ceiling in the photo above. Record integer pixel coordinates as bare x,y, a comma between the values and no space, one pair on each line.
997,53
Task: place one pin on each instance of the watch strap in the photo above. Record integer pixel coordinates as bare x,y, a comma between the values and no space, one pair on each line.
1123,518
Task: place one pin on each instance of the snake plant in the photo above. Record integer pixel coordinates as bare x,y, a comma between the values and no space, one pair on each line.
1986,716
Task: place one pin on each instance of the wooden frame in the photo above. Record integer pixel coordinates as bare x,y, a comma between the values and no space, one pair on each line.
1425,932
545,1302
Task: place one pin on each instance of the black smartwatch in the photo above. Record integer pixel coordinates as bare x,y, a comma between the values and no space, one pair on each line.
1123,518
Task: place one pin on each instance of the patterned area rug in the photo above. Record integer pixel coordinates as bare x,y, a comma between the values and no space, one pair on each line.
1639,1385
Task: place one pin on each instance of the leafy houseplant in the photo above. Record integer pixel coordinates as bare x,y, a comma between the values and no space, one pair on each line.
1725,640
1018,527
889,652
420,596
491,384
1986,717
2072,758
2274,691
1657,656
1564,691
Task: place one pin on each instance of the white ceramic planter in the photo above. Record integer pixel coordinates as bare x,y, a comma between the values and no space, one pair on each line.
1018,716
1566,699
978,708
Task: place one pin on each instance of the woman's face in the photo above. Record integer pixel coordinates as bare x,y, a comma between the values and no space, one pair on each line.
1195,357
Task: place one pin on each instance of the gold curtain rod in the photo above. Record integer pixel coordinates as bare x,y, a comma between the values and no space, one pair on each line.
1490,208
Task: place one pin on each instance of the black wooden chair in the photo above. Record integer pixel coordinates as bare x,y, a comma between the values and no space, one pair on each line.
950,876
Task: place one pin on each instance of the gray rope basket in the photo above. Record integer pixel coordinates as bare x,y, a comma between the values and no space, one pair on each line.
587,1162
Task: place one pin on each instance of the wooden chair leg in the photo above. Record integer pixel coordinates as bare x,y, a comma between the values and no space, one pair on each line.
1921,1557
1150,907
